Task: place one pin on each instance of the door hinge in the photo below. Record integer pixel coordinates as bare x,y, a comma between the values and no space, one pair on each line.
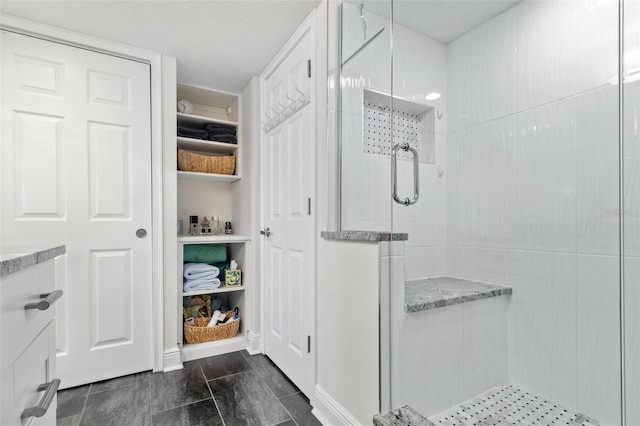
308,344
309,206
309,68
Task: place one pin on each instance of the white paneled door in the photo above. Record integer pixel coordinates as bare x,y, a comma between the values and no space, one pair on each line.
76,170
288,185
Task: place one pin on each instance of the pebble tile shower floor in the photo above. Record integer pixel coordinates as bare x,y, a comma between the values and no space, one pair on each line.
225,390
508,405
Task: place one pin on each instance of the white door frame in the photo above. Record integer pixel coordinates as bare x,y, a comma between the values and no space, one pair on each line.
84,41
307,26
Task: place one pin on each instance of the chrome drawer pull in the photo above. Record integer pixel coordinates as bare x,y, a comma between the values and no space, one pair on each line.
47,300
43,405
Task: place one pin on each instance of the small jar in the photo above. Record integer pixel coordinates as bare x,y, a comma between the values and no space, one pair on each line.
227,228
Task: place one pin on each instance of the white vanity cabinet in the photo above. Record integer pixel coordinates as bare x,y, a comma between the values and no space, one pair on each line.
28,340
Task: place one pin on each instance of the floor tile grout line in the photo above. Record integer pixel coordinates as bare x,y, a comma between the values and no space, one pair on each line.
291,394
149,396
114,388
84,406
277,399
211,393
183,405
228,375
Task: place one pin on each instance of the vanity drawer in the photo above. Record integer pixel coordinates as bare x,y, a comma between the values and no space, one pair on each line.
35,366
19,325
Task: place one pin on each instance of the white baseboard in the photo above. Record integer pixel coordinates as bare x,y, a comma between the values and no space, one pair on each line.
329,412
171,360
254,343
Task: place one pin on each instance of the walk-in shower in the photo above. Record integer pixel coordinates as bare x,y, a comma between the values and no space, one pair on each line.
504,138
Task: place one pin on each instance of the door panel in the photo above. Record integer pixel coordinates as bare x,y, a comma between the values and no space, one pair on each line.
289,258
76,170
109,171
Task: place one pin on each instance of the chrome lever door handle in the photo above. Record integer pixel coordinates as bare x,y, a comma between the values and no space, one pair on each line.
266,232
48,299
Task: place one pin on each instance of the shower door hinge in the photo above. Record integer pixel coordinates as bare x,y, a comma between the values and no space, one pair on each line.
309,68
308,344
309,206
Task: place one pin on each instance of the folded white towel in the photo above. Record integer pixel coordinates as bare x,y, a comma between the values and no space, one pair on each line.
202,276
199,270
201,285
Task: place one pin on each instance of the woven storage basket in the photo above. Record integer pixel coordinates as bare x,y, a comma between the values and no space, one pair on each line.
200,333
191,162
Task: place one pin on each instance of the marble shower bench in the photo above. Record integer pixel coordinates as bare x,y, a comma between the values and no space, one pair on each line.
456,332
432,293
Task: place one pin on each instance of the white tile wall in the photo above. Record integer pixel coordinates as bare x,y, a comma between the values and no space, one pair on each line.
598,332
545,54
544,351
532,189
546,177
632,210
632,165
597,141
632,344
493,168
485,360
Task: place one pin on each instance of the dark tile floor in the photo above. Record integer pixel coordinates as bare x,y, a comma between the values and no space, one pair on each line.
225,390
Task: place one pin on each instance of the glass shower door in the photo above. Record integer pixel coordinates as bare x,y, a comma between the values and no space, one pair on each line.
504,302
631,209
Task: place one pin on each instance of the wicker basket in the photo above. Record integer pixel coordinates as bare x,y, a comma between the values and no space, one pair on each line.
191,162
200,333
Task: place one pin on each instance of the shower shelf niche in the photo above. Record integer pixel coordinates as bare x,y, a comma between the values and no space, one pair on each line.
413,122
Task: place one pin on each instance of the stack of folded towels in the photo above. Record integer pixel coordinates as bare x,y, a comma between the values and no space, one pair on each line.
213,132
221,133
201,277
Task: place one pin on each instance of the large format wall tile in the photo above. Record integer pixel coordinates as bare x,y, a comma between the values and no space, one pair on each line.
546,52
545,342
546,178
597,142
632,166
493,167
632,343
493,68
598,332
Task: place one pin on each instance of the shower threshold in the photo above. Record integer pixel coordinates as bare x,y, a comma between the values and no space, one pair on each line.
509,405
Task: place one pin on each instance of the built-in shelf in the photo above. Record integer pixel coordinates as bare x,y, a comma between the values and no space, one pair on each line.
213,239
208,176
206,146
191,352
216,291
431,293
191,119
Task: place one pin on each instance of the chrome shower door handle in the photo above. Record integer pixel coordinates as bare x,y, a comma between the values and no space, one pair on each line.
416,176
394,174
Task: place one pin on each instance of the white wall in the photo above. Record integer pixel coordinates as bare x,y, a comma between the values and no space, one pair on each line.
533,191
346,277
169,217
246,207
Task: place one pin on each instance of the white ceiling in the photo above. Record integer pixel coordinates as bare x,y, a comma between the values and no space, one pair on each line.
219,44
443,20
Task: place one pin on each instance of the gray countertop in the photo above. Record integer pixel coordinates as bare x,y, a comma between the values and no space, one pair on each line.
369,236
432,293
16,259
402,416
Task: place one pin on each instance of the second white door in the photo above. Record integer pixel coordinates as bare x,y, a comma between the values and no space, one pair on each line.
76,170
288,197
